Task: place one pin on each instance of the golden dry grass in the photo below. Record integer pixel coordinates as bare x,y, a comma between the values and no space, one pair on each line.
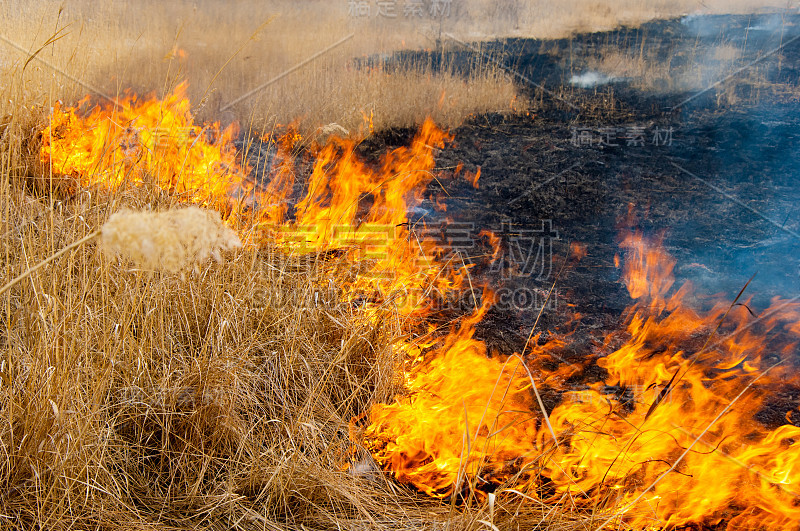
227,51
135,398
221,398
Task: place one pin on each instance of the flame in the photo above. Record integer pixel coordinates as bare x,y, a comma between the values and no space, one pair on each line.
476,177
437,444
349,206
140,142
669,438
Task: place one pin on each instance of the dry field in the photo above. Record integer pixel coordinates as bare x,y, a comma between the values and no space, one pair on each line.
304,55
218,396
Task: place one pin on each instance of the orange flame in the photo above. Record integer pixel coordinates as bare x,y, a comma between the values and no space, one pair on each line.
348,205
138,142
471,420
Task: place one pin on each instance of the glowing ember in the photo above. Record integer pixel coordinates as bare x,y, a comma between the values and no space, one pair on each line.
676,443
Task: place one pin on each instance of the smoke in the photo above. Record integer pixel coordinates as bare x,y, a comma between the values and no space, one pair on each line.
730,43
724,26
753,165
591,79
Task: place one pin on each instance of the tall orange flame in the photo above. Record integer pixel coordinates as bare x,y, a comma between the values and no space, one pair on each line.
137,142
349,205
468,420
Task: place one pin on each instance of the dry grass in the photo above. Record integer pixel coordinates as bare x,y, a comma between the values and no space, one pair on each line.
220,398
646,73
556,20
226,51
134,397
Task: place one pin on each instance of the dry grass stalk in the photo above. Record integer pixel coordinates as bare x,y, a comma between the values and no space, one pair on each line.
171,240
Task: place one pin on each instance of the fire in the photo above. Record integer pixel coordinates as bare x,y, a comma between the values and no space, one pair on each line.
669,438
133,142
352,205
349,205
697,457
439,444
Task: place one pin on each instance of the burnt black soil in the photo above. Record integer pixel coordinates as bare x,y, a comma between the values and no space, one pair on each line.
717,179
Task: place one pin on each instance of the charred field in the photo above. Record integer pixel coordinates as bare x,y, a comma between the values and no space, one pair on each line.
578,312
712,169
717,187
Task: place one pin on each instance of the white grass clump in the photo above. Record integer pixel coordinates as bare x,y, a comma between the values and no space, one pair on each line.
171,240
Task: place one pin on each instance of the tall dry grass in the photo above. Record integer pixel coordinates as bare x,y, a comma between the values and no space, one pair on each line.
219,398
228,50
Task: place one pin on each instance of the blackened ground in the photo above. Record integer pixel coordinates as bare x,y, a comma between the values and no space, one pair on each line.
717,179
717,176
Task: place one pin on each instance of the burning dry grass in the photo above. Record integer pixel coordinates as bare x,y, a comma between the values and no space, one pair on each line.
220,397
223,398
132,397
236,396
138,399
